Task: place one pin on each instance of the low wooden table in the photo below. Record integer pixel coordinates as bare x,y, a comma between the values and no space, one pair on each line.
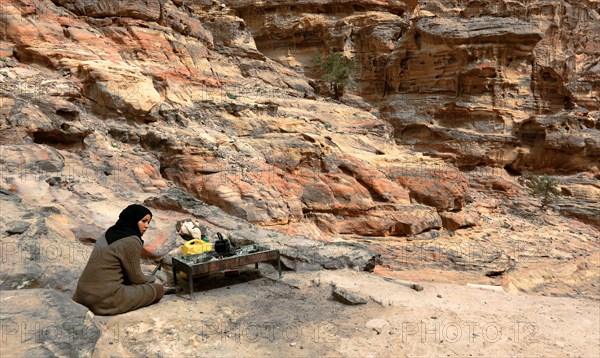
202,264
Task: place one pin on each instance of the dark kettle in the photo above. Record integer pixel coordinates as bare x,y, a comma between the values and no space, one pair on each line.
222,245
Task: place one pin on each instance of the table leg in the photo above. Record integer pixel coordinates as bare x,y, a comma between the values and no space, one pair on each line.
256,265
279,263
191,282
174,276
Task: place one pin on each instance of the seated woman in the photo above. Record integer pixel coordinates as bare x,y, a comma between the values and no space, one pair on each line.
112,281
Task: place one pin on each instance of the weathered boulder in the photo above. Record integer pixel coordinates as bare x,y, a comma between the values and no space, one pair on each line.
390,220
442,187
43,322
42,256
456,220
30,161
346,297
119,87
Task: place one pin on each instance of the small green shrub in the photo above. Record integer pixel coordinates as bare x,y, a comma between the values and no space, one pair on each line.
337,70
543,187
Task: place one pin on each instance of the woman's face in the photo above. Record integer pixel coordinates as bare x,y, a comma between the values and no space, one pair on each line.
144,223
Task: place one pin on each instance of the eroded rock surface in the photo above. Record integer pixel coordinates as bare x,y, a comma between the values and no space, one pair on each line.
519,79
44,322
212,110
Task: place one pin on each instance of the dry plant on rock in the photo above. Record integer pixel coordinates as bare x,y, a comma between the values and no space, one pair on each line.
543,187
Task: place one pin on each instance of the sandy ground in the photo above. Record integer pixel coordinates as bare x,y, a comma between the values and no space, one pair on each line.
256,315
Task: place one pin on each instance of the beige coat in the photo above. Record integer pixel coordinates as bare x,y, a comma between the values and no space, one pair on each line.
112,281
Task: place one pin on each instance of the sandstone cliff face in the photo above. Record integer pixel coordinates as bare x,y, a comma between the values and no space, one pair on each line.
107,102
515,84
211,101
292,32
504,84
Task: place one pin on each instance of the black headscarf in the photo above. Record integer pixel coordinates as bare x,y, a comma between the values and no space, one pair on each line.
127,224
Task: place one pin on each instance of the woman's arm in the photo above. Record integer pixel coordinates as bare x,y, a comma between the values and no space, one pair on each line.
130,254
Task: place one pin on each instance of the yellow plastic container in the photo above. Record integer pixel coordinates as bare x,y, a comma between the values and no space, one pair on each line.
195,247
